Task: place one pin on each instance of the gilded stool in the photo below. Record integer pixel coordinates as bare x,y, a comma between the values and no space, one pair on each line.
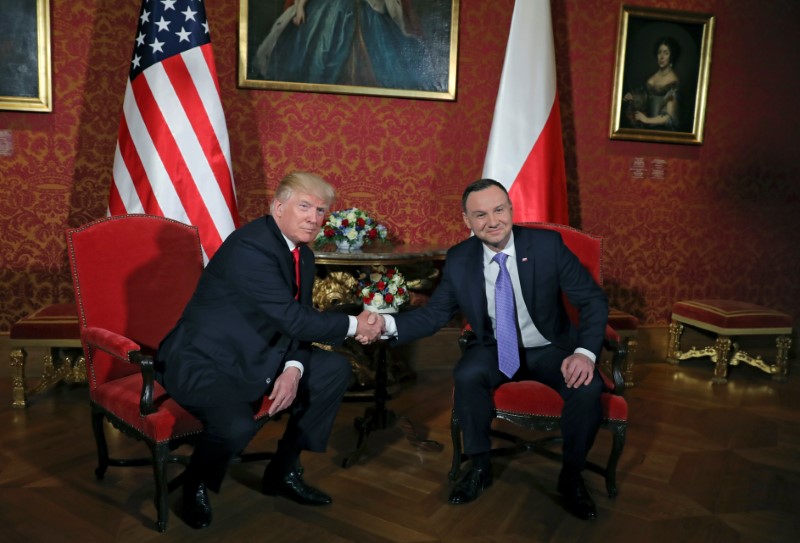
627,327
55,328
730,320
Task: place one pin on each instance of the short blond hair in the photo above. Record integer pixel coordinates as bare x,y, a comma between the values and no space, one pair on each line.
304,182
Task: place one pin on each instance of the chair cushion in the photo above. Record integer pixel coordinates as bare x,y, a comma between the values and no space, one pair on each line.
534,398
53,322
730,317
621,321
121,396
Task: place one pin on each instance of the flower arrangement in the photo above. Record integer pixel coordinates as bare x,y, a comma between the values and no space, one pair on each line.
384,288
351,228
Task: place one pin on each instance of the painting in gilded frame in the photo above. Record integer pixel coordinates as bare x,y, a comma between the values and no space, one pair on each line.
397,48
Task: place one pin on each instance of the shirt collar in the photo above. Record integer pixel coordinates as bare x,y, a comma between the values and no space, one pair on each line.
509,249
289,243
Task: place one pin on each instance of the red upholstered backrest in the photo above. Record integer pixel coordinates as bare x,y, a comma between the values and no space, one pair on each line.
587,247
132,275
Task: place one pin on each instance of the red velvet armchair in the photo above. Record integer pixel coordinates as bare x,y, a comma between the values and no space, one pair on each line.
132,277
535,406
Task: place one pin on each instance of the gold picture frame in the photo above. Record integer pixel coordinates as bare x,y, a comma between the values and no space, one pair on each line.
661,77
25,76
420,63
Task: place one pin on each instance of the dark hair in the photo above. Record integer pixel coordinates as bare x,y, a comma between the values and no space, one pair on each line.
480,184
672,45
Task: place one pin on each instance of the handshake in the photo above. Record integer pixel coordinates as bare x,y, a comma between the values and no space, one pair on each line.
370,327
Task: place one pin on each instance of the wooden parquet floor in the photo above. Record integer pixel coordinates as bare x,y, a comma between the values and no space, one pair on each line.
702,463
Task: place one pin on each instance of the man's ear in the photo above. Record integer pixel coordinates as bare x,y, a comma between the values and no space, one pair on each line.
466,222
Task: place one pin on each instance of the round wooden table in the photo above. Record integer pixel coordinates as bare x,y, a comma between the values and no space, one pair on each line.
338,288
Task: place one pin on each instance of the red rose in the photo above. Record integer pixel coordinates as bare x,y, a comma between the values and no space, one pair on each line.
401,291
329,232
381,285
388,298
390,272
345,222
360,222
372,234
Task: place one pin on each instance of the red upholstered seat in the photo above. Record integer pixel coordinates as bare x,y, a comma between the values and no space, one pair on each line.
132,277
536,406
732,317
531,397
53,322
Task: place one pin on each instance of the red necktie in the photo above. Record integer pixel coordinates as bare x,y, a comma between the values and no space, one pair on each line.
296,257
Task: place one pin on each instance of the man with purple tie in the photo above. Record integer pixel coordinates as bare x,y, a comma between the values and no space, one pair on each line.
507,281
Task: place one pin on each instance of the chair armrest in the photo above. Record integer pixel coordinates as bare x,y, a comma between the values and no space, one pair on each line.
619,352
611,342
118,346
126,350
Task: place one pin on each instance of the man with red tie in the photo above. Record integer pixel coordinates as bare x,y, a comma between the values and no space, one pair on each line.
248,331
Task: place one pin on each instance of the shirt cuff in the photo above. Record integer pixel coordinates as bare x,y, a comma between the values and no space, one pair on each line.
390,325
351,330
586,352
294,364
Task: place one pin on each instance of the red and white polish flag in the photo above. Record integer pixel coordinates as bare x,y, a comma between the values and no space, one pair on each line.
525,152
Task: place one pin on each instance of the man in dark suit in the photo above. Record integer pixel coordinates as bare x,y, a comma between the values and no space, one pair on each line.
549,348
247,331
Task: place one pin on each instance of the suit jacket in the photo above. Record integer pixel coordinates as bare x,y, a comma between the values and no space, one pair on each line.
546,269
242,322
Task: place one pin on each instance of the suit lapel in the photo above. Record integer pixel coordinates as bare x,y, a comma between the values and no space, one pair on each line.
478,317
285,258
307,272
526,265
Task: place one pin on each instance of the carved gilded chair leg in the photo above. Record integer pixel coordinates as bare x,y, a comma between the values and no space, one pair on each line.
722,349
784,343
674,342
18,357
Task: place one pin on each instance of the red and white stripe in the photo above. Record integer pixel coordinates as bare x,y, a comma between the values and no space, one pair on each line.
525,151
173,156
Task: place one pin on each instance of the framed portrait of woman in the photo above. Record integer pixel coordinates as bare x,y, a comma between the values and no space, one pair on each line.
661,76
25,83
398,48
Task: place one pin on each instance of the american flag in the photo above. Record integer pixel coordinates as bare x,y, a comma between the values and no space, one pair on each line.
172,157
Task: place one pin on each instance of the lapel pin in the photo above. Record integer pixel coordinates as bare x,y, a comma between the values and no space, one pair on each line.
524,258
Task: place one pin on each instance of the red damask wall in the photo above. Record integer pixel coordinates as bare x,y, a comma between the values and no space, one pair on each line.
723,222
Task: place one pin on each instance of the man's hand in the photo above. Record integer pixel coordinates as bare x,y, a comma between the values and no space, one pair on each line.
577,370
284,390
370,326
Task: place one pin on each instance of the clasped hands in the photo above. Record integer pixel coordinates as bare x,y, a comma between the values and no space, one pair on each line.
370,327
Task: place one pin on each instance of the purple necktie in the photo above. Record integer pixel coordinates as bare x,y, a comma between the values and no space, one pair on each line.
507,345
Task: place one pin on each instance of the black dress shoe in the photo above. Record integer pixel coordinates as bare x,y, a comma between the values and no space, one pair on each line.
579,501
291,485
196,507
475,481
